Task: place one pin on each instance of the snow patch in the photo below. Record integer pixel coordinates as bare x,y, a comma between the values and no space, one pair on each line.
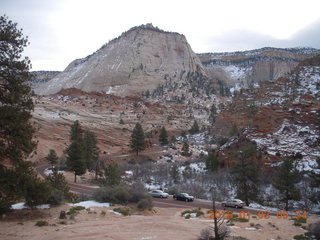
89,204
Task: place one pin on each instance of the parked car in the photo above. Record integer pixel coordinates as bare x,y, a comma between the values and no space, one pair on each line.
183,197
237,203
158,193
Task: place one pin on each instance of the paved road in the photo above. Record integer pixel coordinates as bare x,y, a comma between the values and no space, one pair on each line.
157,202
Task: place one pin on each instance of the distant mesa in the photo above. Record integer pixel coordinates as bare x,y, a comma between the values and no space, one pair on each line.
140,59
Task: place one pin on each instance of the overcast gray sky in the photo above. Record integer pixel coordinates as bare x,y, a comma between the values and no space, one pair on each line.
60,31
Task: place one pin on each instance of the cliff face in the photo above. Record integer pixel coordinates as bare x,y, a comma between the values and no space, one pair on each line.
249,68
140,59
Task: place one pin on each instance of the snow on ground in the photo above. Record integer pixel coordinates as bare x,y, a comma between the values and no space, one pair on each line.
19,206
237,72
291,139
89,204
258,206
48,171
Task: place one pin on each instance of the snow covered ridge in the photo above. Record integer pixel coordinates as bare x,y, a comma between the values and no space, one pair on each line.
308,79
300,50
291,139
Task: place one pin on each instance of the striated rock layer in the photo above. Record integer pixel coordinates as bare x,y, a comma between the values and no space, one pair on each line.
250,68
140,59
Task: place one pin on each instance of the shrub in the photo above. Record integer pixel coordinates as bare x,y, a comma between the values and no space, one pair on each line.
298,222
75,210
56,197
144,204
197,211
123,210
41,223
299,237
5,205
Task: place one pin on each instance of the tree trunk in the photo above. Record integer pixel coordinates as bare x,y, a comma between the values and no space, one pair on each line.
287,200
75,177
216,230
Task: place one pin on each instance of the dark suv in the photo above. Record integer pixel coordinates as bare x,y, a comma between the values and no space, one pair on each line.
183,197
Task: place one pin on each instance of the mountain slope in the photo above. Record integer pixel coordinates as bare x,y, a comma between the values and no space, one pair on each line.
250,68
282,117
138,60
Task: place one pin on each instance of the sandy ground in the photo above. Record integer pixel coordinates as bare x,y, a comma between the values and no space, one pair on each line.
159,224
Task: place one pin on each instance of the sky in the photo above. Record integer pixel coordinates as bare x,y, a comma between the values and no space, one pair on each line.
60,31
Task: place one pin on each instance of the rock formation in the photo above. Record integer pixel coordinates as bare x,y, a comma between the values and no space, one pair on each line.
140,59
249,68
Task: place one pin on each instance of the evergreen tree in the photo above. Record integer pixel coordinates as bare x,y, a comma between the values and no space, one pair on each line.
285,179
175,175
91,150
246,172
212,162
315,183
52,157
112,174
195,127
16,130
185,148
59,187
213,114
163,138
137,142
75,159
76,131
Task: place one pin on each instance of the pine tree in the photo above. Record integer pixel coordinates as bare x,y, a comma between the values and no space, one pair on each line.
163,138
91,150
60,189
137,142
212,162
246,172
174,172
213,114
315,183
52,157
285,179
112,174
76,131
75,159
195,128
16,130
185,148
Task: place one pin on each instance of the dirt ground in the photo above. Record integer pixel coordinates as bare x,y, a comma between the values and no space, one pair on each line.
101,223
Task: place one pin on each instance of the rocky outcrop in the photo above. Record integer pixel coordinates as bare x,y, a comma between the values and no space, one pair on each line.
140,59
249,68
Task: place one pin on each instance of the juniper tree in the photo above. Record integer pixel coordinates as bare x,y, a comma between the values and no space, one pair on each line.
137,142
163,138
285,179
246,172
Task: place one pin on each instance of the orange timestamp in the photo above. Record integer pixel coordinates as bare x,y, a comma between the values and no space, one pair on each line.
260,214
